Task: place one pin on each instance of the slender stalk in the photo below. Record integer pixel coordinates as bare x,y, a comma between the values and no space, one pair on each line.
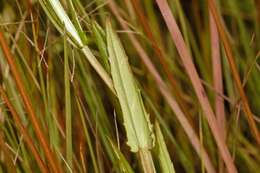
69,152
162,151
147,161
217,76
217,80
98,67
88,139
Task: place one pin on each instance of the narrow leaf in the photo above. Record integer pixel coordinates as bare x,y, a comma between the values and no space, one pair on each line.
69,151
136,120
101,44
55,10
122,162
60,19
162,152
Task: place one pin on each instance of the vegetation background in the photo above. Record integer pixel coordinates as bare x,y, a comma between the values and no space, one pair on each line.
129,86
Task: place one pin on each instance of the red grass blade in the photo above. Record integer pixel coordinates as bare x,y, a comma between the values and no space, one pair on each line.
217,76
194,77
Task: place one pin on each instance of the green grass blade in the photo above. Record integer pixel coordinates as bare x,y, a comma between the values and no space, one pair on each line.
136,120
123,164
162,152
69,151
59,18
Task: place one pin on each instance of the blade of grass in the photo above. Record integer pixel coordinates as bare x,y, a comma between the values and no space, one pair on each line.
69,152
79,104
76,22
190,37
52,160
25,133
123,164
41,47
97,113
137,124
217,76
136,120
11,90
184,158
101,44
231,60
163,154
59,18
194,77
217,79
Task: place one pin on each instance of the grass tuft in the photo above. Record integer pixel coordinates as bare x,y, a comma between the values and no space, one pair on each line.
129,86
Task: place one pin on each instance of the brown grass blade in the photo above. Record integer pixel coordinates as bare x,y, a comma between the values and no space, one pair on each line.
230,57
195,80
166,93
24,132
217,76
29,108
217,80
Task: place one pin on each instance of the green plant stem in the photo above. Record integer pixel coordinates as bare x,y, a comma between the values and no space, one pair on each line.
98,67
69,151
146,161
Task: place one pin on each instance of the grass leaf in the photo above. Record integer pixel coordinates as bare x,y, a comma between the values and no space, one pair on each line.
136,120
163,155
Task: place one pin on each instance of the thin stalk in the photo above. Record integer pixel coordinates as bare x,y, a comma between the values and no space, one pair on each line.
92,155
166,164
217,80
217,76
69,152
185,160
98,67
147,161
